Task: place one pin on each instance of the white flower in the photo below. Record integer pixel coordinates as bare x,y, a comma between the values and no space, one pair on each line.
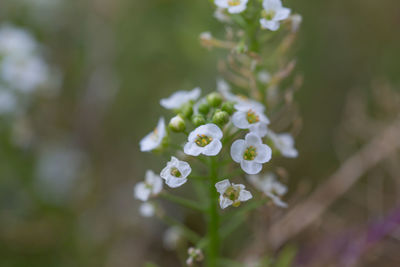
284,143
269,185
220,15
177,99
176,172
25,73
147,209
233,6
172,237
207,36
231,194
251,153
15,41
250,117
272,14
154,139
205,140
151,186
195,254
8,102
225,90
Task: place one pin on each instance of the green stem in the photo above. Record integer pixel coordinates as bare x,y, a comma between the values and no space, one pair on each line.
213,222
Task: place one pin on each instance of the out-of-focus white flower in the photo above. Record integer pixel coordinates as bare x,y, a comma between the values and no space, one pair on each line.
24,73
15,41
154,139
270,186
206,36
250,117
177,99
264,76
296,20
176,172
151,186
220,15
195,254
284,142
233,6
147,209
171,238
251,153
8,101
231,194
205,139
57,170
272,14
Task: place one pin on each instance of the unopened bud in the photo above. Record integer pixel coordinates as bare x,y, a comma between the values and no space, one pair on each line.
186,110
214,99
198,120
204,108
177,124
220,117
229,107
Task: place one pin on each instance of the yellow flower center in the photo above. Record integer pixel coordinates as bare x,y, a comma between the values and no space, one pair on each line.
175,172
252,117
268,14
233,2
203,140
250,153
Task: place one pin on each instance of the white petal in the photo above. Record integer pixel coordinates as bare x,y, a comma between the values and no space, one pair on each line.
157,186
272,4
222,3
184,168
224,202
141,192
277,200
212,148
270,25
175,182
282,13
192,149
213,131
237,150
259,129
253,140
239,119
264,154
245,195
166,172
177,99
222,186
239,8
251,167
146,210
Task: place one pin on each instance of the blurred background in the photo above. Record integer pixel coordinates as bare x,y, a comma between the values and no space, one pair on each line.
69,152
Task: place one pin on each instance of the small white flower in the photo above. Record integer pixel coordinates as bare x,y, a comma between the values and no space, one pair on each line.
172,237
250,117
220,15
251,153
15,41
269,185
177,99
154,139
284,142
147,209
233,6
231,194
206,36
151,186
25,73
195,254
176,172
205,139
272,14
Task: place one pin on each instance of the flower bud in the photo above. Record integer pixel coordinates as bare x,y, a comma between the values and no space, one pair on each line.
204,108
214,99
186,110
177,124
220,117
229,107
198,120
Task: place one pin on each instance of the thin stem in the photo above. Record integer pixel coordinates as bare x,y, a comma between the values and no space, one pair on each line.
183,202
213,222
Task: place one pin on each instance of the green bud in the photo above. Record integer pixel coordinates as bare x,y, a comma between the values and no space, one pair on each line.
229,107
187,110
220,117
204,108
177,124
214,99
198,120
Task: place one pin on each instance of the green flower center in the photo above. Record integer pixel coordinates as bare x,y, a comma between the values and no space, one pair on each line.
252,117
203,140
268,14
250,153
175,172
231,193
233,2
